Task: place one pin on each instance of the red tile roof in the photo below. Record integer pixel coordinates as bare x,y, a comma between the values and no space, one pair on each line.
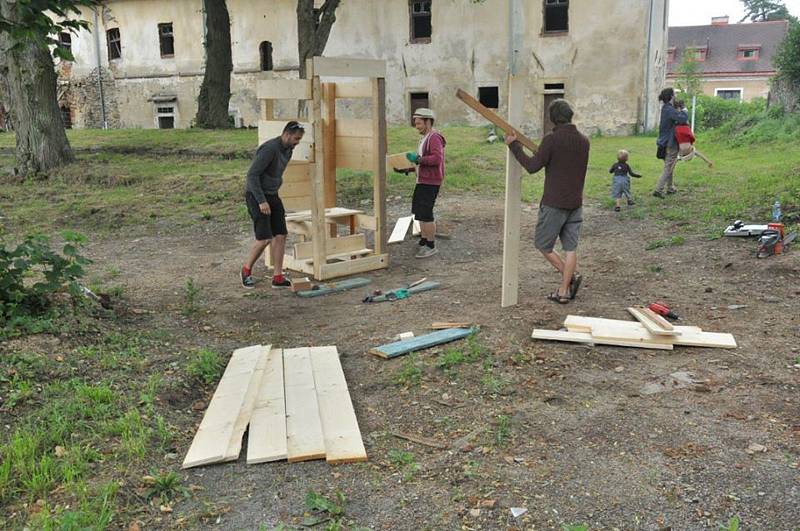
724,41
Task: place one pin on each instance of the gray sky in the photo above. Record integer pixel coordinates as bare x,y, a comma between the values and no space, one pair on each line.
699,12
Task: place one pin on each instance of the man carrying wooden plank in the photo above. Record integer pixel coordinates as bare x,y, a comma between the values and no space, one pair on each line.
264,179
429,160
564,154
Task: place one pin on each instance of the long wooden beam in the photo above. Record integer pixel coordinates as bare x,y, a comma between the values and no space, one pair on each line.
495,119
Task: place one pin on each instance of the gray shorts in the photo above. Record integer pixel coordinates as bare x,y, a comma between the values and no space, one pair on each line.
556,223
621,187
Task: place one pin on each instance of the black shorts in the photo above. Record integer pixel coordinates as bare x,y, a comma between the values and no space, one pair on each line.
423,200
266,226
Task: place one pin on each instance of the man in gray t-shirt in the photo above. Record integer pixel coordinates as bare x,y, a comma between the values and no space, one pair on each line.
264,179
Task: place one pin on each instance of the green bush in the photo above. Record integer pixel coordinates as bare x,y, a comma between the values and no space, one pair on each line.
32,272
713,112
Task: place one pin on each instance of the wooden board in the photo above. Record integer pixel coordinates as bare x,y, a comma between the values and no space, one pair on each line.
333,246
399,161
245,413
416,230
365,221
304,437
211,441
304,151
353,267
398,348
329,149
628,331
335,287
343,443
283,89
297,171
400,229
495,119
654,323
353,127
509,294
331,214
690,336
378,168
354,160
353,89
445,326
266,440
349,67
586,338
295,189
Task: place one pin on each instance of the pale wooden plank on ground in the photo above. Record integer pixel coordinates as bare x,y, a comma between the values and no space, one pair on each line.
343,443
211,440
266,439
243,418
658,326
400,229
416,230
398,348
628,331
690,336
304,438
586,338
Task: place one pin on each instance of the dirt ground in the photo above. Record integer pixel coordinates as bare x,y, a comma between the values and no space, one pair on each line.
585,443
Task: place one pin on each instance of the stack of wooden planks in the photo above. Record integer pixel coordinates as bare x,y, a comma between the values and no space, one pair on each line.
295,401
650,330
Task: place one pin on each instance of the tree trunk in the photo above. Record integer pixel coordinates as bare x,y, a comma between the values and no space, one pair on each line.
31,91
313,29
215,92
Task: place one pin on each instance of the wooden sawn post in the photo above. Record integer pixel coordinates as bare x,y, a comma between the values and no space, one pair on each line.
511,217
318,236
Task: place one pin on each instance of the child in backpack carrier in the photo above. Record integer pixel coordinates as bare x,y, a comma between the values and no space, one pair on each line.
686,140
622,179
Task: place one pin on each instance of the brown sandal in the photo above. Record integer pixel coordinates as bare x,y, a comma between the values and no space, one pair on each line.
561,299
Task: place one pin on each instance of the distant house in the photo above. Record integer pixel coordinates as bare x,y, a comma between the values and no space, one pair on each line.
734,60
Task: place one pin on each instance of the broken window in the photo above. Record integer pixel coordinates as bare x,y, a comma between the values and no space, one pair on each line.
556,15
489,97
421,28
65,41
265,52
419,100
114,44
166,40
166,117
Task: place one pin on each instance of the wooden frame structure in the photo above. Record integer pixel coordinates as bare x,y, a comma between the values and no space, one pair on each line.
309,183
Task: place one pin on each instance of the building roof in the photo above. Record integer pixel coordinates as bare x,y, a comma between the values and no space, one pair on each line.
723,42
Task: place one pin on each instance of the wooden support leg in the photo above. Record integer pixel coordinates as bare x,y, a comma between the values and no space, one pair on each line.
511,220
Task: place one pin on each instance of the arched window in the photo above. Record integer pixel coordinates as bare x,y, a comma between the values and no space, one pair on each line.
265,52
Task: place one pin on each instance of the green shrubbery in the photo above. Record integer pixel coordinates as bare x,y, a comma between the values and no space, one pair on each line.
740,123
31,274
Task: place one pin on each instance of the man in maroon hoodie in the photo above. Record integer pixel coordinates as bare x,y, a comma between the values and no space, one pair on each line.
429,159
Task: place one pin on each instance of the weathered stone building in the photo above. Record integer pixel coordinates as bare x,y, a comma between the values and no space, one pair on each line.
605,56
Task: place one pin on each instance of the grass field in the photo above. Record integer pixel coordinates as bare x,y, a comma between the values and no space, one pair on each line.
180,177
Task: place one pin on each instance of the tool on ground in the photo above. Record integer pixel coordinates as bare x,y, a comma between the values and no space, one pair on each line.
662,309
772,242
740,229
401,293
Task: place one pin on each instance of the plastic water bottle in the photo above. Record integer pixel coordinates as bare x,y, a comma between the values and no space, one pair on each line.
776,211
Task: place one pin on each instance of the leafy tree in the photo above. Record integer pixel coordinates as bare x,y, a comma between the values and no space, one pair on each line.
762,10
215,92
787,57
688,80
27,33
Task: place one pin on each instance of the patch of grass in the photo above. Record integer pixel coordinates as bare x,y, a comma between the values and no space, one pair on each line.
409,374
575,527
471,469
655,268
205,365
405,461
502,430
667,242
449,359
165,486
733,525
329,510
191,298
